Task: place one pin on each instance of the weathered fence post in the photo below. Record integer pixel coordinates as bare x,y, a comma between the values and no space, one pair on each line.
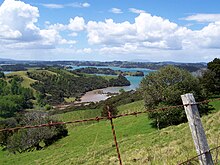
197,130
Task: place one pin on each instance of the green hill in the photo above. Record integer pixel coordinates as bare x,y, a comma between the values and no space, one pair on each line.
92,143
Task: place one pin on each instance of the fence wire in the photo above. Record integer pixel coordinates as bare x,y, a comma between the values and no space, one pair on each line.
195,160
189,161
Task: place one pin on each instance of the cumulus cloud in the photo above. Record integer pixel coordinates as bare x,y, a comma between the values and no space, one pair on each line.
151,32
109,32
146,34
136,11
24,27
116,10
148,31
18,27
76,24
203,17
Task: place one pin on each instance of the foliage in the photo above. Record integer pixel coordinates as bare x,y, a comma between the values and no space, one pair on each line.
2,75
54,88
108,107
164,88
139,142
211,78
108,71
120,81
13,97
30,139
93,70
125,98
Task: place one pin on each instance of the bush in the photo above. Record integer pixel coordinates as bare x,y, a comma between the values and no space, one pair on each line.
31,139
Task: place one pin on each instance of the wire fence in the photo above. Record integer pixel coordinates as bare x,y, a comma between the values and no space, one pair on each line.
193,160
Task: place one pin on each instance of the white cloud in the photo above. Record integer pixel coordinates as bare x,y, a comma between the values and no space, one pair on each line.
136,11
147,34
53,6
73,34
76,24
116,10
148,31
85,4
84,51
18,28
59,6
203,17
78,5
17,20
110,33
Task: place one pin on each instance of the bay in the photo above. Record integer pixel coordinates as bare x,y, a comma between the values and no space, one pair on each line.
94,96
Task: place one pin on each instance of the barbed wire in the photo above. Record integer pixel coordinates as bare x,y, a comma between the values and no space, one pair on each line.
191,159
110,117
106,118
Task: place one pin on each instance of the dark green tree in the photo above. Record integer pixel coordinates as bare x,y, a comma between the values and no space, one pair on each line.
164,88
31,139
109,107
2,75
211,78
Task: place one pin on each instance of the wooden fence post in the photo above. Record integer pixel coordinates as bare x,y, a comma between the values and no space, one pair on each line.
198,133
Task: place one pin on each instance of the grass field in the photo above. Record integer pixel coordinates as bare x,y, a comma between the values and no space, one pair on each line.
139,143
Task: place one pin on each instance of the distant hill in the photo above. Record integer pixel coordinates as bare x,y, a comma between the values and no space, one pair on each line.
5,59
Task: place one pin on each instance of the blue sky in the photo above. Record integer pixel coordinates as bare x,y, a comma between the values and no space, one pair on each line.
106,30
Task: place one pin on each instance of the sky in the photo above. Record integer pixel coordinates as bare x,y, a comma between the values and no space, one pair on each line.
107,30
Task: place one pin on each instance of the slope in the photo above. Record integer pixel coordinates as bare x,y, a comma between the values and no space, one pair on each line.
92,143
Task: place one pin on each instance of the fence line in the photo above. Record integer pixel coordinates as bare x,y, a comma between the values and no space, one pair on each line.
191,159
114,117
105,118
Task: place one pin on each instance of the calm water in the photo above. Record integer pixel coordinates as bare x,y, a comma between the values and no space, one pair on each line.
94,96
135,80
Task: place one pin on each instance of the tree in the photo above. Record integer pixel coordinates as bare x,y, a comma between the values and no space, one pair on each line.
31,139
109,107
210,79
163,88
2,75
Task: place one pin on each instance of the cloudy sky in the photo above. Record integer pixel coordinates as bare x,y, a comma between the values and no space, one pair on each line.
106,30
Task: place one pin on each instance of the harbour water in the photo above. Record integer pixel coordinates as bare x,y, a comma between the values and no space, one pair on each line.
95,96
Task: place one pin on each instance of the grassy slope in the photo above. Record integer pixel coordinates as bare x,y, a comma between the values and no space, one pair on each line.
26,80
139,143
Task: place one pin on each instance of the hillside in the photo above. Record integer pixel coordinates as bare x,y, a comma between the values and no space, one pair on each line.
54,85
139,143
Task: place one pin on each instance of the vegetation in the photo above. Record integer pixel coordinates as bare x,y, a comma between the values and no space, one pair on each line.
211,78
13,97
108,107
91,142
30,139
26,81
163,88
139,143
108,71
54,88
